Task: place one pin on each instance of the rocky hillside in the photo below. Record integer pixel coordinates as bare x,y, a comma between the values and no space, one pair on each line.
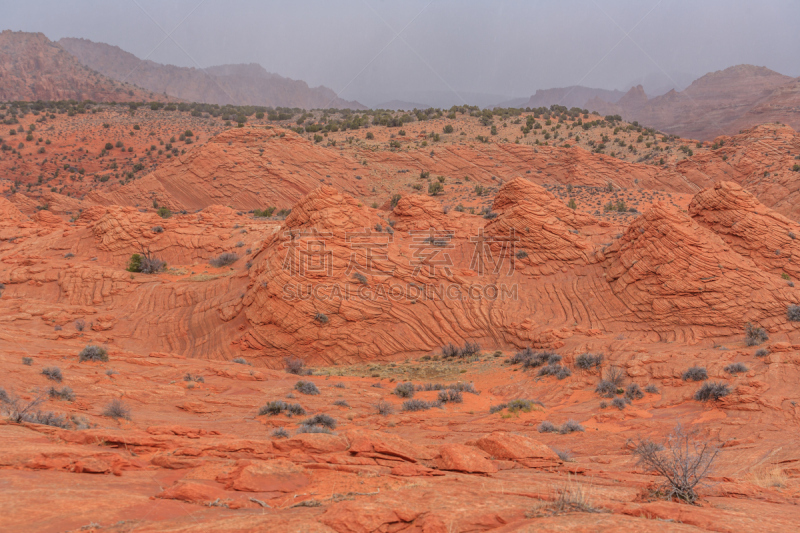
226,84
719,103
34,68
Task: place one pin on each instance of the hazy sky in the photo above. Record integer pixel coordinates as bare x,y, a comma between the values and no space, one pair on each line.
456,47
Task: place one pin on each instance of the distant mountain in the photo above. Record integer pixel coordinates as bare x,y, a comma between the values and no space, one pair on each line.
32,67
721,102
573,96
246,84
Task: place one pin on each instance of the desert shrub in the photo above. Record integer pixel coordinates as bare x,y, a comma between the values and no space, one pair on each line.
793,313
682,461
65,393
463,387
306,387
735,368
196,379
711,391
295,365
470,349
361,278
53,373
240,360
451,350
616,376
341,403
696,373
606,389
279,406
27,361
93,353
147,264
559,371
431,386
547,427
754,335
157,229
619,402
280,433
451,396
497,408
340,385
404,390
586,361
117,409
419,405
762,352
522,405
385,408
651,389
633,392
80,324
570,426
224,259
313,429
564,455
322,318
321,420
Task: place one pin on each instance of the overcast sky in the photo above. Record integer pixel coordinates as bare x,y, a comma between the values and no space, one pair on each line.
378,50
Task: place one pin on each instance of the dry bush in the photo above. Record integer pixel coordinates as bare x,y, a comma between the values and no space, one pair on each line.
768,477
295,365
754,335
222,260
93,353
683,461
306,387
117,409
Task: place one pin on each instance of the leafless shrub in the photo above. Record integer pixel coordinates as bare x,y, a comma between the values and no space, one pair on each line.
651,389
52,373
696,373
80,324
241,361
711,391
564,455
117,409
570,426
793,313
306,387
280,433
762,352
547,427
735,368
633,392
683,461
27,361
754,335
93,353
620,402
559,371
385,408
404,390
321,420
587,361
616,376
419,405
341,403
606,389
277,407
297,366
450,396
65,393
224,259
